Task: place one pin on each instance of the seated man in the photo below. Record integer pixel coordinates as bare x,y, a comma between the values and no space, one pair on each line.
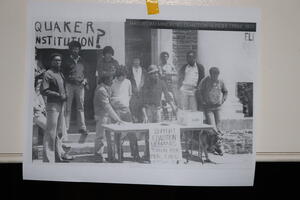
121,94
104,114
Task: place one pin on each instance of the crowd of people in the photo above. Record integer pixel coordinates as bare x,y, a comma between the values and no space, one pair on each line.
124,94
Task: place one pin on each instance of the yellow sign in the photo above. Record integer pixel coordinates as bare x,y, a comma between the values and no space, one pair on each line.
152,7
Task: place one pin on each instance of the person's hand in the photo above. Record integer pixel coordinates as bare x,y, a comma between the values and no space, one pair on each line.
174,107
121,122
63,97
84,82
223,100
145,120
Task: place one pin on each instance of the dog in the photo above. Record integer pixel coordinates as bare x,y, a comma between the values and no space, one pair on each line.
207,141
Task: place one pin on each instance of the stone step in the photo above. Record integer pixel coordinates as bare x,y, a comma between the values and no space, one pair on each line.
81,138
86,148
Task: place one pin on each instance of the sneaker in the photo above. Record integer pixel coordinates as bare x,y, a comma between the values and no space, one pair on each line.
67,157
100,158
83,131
66,147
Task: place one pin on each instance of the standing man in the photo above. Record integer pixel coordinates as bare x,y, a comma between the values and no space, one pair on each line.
104,114
166,69
106,65
152,92
190,76
169,73
53,88
121,94
75,69
212,94
137,76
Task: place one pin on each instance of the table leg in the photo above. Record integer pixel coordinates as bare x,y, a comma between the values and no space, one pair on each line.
146,156
185,134
186,142
200,148
110,155
119,145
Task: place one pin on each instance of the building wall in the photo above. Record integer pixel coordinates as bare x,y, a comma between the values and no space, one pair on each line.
183,41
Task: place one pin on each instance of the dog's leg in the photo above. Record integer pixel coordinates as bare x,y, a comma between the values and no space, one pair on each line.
200,152
207,160
186,147
191,143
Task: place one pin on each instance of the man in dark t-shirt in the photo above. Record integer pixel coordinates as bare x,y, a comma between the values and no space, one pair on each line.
74,68
53,87
106,64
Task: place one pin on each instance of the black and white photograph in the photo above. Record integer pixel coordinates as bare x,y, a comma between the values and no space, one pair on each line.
162,95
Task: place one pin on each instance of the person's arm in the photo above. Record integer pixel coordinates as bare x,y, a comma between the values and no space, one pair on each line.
143,99
168,96
64,68
129,89
180,76
85,73
173,69
45,88
99,70
201,89
145,120
104,100
224,91
201,72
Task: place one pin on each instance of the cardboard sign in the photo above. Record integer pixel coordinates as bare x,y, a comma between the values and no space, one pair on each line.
164,144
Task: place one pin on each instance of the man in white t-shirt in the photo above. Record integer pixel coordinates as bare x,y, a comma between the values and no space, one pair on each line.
121,94
189,77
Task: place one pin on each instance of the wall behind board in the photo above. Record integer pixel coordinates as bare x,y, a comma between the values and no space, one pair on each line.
277,134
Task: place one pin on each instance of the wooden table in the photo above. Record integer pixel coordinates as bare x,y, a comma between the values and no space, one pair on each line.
128,128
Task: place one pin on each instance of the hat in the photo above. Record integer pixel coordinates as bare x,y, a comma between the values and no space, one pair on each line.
54,55
152,69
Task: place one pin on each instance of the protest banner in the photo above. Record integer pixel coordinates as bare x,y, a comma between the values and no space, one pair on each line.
91,35
164,144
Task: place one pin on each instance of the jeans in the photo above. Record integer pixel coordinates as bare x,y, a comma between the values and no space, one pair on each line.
52,142
77,92
154,116
99,140
153,113
212,117
188,100
125,115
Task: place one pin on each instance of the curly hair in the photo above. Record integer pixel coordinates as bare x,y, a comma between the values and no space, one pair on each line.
108,49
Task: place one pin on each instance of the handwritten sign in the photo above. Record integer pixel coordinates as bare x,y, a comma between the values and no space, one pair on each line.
164,144
58,34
